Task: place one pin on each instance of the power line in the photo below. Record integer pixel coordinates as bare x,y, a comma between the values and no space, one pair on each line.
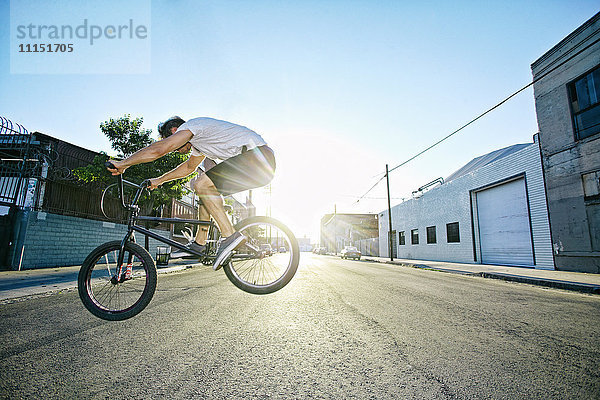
446,137
462,127
546,73
372,198
372,187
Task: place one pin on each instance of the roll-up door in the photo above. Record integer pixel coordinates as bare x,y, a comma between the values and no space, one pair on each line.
504,226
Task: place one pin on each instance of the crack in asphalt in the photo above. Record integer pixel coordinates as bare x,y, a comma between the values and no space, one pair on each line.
446,390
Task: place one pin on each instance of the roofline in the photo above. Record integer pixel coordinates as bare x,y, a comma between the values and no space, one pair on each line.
64,141
334,215
560,44
524,146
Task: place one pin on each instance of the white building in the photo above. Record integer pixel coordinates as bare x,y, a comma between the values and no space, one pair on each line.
491,211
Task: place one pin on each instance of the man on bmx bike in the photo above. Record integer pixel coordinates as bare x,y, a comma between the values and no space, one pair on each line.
247,163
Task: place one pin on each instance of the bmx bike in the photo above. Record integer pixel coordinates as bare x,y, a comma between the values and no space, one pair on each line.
118,279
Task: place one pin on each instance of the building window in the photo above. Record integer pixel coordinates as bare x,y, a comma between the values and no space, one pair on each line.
414,236
584,95
431,239
452,232
401,238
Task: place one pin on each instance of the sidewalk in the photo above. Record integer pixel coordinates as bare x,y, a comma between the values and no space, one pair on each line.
577,281
30,282
21,284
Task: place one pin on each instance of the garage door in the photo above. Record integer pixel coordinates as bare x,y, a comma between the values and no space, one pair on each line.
504,228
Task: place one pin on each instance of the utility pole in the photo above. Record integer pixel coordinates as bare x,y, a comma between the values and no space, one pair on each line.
270,205
387,177
335,228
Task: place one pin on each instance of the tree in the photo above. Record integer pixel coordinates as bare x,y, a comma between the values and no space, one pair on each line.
127,136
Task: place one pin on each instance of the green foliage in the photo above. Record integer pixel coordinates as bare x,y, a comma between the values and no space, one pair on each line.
126,137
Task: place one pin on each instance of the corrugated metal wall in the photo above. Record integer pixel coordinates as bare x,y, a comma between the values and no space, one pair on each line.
454,202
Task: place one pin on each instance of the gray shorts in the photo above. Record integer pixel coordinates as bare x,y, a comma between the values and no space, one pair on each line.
249,170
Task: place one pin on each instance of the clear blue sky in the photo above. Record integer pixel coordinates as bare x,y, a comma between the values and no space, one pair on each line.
339,88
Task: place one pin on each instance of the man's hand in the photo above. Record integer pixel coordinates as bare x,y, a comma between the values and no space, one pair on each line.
119,168
154,183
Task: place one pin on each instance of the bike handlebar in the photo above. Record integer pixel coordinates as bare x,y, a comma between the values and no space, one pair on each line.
140,188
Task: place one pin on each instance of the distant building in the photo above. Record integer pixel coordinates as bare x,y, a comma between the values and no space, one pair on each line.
304,244
567,100
339,230
491,211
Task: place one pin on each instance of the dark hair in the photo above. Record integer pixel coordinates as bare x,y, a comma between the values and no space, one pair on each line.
164,128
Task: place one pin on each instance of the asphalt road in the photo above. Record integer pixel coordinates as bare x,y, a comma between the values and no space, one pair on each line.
339,330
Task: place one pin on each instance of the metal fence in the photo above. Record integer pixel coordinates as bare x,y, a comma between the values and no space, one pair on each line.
61,192
36,172
16,165
368,247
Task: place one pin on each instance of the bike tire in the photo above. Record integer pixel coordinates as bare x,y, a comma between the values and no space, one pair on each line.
122,300
266,274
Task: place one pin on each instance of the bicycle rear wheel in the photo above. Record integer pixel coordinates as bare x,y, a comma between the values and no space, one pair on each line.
269,258
113,293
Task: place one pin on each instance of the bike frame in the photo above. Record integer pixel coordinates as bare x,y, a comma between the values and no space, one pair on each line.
133,216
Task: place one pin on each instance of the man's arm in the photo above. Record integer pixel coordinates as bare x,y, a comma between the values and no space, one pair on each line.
154,151
182,170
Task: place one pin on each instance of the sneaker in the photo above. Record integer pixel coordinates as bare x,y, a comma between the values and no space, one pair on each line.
189,253
227,247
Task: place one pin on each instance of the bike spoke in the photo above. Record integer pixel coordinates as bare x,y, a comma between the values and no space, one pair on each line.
123,294
265,265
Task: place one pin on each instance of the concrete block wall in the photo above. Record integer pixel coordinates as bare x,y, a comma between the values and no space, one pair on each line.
566,159
453,201
52,240
552,76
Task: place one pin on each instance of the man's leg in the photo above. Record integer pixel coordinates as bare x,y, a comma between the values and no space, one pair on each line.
198,244
213,202
202,231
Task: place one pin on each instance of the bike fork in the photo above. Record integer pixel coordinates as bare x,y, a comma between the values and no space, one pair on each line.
120,275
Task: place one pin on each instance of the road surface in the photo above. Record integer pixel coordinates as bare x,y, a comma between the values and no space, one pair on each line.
340,330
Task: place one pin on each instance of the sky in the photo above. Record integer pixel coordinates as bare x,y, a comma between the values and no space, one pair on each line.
338,89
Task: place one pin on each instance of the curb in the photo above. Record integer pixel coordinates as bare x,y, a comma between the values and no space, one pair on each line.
553,283
565,285
34,291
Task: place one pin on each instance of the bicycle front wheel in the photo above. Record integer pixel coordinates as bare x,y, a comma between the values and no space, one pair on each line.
269,258
116,293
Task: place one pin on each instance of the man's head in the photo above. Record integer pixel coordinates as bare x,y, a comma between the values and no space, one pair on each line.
169,127
165,129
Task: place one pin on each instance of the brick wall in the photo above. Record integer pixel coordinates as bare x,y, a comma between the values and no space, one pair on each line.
52,240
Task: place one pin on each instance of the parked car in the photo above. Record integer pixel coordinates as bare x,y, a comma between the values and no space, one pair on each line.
320,250
266,249
282,250
350,252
